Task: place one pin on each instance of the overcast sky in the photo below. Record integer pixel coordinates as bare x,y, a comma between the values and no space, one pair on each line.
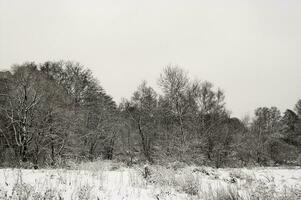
249,48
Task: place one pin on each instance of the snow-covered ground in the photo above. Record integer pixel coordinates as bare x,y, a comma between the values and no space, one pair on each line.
102,180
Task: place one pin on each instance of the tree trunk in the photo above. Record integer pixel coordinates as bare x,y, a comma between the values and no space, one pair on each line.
52,153
182,130
23,152
145,144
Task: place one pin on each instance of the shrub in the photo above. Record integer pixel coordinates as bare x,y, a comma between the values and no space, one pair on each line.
3,194
268,191
84,192
239,174
190,184
51,194
177,165
22,191
37,196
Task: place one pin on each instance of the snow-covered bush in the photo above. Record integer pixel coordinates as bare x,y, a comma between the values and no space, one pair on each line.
22,191
190,184
242,176
222,193
84,192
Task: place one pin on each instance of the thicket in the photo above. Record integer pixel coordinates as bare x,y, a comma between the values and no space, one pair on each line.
54,112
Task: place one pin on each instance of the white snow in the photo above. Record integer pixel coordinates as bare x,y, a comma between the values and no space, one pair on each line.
128,183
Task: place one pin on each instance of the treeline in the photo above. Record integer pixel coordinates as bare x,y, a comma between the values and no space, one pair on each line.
57,111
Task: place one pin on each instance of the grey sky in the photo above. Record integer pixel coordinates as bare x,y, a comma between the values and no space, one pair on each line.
251,49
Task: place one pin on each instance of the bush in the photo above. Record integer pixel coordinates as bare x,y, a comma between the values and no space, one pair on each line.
84,192
228,193
239,174
177,165
190,184
22,191
268,191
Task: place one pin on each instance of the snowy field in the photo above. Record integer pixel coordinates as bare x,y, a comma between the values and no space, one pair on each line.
105,180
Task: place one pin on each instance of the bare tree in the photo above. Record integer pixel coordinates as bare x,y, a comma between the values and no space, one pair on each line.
175,85
298,107
22,99
142,109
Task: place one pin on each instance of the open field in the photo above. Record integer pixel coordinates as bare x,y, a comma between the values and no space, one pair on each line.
106,180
